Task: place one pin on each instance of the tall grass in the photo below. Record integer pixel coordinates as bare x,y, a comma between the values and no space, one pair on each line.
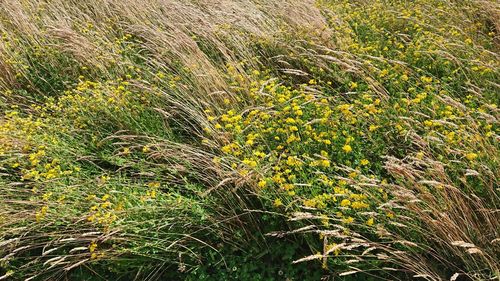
202,140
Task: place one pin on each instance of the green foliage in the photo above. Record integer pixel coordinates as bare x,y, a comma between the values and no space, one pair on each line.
357,141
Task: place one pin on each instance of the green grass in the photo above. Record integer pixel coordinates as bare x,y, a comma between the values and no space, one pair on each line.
260,140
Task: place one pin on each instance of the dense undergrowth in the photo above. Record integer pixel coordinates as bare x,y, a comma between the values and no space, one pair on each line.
249,140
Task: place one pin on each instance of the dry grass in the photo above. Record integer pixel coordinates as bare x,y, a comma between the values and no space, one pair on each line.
185,65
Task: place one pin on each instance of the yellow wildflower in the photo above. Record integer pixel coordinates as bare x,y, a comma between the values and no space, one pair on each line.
262,183
471,156
277,202
347,148
348,220
92,246
345,203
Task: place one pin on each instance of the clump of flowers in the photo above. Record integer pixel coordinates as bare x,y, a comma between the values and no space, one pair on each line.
303,151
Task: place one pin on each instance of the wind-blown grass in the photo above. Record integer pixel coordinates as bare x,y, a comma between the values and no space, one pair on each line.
249,140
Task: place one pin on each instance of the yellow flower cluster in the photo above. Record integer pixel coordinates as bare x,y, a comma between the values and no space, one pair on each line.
103,211
290,143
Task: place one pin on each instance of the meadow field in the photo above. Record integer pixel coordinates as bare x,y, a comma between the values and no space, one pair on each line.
249,140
